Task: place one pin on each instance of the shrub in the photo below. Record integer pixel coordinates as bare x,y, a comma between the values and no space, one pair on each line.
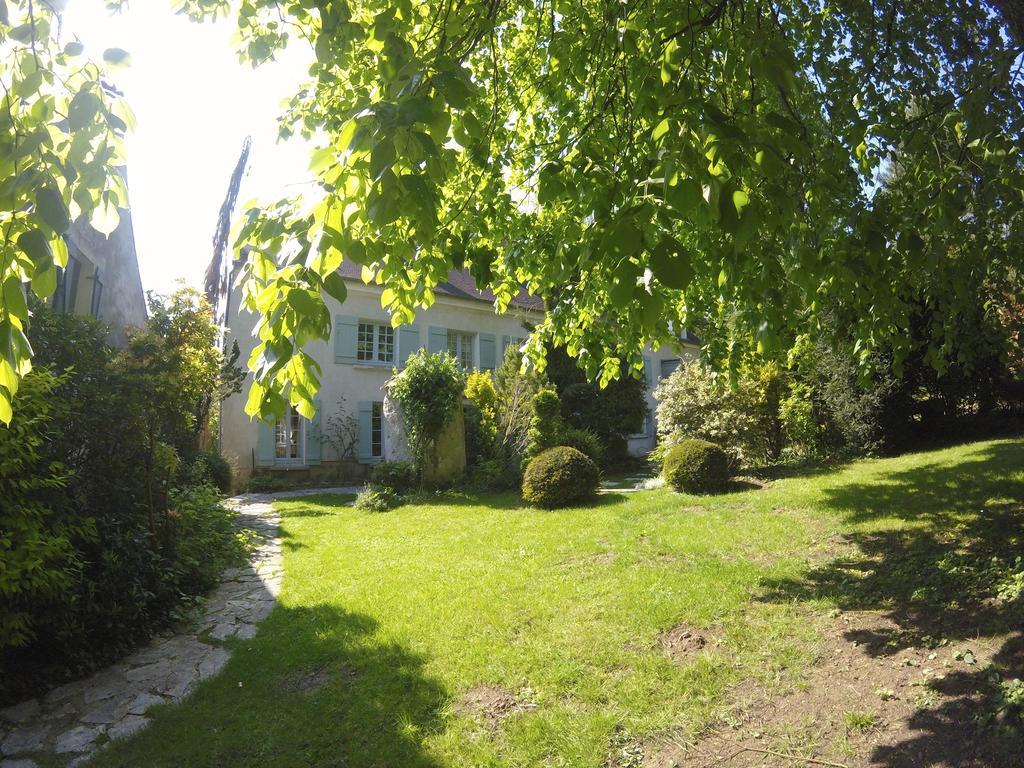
495,475
266,482
210,467
481,417
428,390
373,499
613,412
559,476
583,440
515,389
696,466
98,499
546,423
743,420
397,476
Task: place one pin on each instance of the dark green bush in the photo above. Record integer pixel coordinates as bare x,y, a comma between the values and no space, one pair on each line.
696,466
495,475
268,482
559,476
398,476
210,467
93,494
373,499
583,440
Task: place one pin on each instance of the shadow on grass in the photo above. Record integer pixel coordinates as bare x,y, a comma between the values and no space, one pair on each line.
313,506
938,578
317,686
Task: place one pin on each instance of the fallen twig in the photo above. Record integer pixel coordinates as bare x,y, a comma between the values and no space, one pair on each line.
773,753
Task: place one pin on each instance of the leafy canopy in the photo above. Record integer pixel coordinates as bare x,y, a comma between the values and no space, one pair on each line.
645,167
61,146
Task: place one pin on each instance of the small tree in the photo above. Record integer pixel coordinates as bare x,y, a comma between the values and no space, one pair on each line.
428,390
481,393
515,389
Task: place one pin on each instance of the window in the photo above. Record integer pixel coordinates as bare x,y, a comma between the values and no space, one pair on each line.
67,286
375,343
97,294
669,366
460,345
377,430
289,445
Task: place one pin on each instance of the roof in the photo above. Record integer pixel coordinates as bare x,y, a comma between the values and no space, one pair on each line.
460,285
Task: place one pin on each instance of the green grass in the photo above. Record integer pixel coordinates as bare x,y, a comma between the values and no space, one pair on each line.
403,612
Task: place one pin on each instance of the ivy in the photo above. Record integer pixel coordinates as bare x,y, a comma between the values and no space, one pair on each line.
429,390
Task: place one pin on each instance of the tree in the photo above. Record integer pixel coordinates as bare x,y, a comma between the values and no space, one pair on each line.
644,167
61,148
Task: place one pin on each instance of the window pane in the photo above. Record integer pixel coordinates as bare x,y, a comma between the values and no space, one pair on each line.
377,430
293,436
364,347
281,439
453,344
669,366
466,351
385,343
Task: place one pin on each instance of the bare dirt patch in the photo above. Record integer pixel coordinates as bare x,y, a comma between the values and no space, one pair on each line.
598,558
684,641
877,697
492,704
306,681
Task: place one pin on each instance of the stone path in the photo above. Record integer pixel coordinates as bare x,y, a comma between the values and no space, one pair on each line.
66,725
631,484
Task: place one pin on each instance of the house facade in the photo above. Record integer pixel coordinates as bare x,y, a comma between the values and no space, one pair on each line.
360,358
102,278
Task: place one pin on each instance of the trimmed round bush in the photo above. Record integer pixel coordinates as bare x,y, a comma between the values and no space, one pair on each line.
696,466
559,476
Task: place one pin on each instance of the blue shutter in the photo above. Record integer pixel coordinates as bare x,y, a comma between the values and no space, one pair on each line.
365,432
408,342
438,341
648,372
265,443
346,330
487,351
313,437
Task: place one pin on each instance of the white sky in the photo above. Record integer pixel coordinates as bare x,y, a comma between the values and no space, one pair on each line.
195,104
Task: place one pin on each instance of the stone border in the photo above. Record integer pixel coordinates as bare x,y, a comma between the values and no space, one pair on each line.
74,720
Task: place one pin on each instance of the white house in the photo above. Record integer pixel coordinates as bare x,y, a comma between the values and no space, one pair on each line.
363,351
102,277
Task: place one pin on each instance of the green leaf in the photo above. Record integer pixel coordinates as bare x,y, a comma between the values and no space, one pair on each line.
117,57
74,48
44,282
36,246
381,158
335,286
51,207
670,264
83,110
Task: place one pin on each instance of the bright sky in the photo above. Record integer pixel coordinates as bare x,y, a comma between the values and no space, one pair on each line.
195,104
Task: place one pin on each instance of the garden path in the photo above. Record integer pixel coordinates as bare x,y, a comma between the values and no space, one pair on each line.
67,724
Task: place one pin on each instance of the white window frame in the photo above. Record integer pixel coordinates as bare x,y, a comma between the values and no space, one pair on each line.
377,427
378,343
463,340
286,426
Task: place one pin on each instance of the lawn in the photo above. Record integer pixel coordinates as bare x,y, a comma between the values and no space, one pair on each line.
476,632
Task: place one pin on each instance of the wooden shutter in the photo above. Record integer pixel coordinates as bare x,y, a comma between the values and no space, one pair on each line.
648,372
264,443
346,330
487,351
438,341
313,437
408,342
